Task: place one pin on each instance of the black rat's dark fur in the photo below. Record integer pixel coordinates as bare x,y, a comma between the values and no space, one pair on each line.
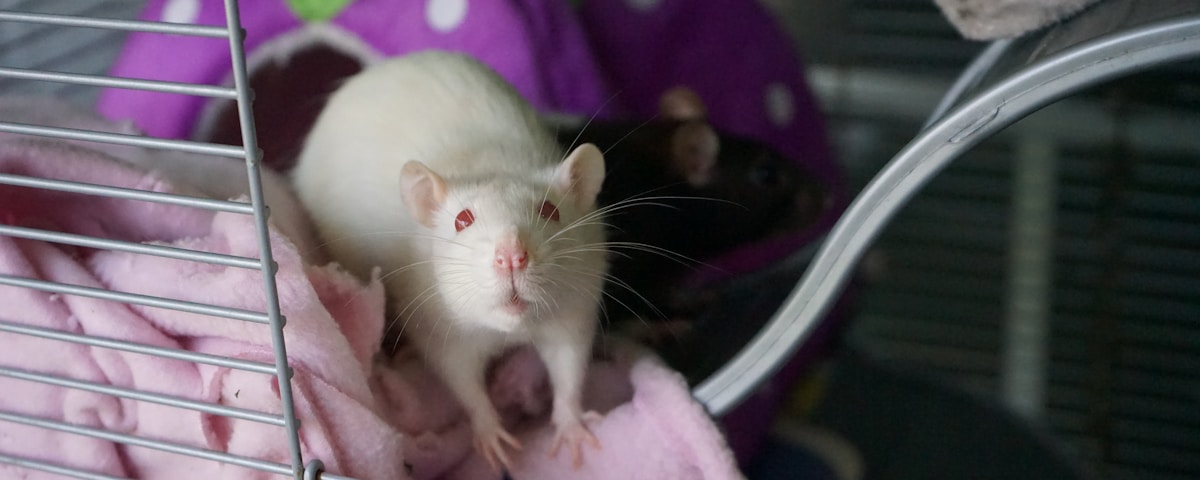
288,96
754,192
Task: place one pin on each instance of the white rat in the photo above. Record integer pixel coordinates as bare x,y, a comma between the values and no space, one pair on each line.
434,168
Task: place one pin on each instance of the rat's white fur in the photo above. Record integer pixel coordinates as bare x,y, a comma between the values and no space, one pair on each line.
448,134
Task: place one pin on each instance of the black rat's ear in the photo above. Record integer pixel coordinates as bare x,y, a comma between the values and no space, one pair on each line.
423,191
694,150
580,175
681,103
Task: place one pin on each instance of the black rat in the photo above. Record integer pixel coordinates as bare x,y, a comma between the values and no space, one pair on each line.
678,192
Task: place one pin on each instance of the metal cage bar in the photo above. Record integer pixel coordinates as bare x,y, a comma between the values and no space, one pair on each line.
52,468
106,81
134,298
142,248
241,82
174,354
122,139
126,193
1008,100
111,24
273,318
148,443
170,400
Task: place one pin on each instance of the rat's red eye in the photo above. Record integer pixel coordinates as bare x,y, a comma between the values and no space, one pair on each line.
464,219
548,211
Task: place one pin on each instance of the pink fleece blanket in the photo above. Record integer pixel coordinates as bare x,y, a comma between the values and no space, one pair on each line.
364,416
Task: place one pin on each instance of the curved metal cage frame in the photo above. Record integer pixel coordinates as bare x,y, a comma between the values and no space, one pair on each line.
1030,73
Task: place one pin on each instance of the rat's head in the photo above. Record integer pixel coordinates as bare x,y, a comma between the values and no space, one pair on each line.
513,249
774,193
762,193
726,189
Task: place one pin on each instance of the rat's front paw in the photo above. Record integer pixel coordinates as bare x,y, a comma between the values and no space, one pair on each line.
573,434
491,444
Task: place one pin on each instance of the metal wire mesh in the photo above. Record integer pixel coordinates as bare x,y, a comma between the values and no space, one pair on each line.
83,18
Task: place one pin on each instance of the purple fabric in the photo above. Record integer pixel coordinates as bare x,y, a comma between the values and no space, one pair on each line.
183,59
535,44
734,55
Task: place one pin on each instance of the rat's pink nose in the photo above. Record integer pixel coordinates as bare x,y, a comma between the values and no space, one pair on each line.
511,257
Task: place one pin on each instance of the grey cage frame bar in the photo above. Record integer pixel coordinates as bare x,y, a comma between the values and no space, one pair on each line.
273,318
952,130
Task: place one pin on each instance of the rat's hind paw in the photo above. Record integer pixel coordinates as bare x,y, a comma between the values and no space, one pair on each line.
573,434
492,446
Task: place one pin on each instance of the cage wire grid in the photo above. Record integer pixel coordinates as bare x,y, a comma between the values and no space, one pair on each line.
272,319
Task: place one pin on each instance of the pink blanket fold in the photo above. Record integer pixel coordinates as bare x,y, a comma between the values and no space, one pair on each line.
364,416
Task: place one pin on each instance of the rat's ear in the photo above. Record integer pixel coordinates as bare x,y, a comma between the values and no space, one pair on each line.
681,103
580,176
694,150
423,191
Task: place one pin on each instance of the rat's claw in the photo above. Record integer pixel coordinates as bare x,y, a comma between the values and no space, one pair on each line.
492,447
573,435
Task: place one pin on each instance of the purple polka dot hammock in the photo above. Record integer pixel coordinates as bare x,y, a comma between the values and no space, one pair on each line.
614,58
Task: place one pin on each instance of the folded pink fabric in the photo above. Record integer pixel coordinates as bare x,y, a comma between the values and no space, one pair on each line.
364,416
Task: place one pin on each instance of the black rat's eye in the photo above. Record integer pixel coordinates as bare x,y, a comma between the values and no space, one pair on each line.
764,174
464,219
548,211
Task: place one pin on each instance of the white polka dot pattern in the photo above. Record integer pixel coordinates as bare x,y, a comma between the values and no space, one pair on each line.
445,15
779,103
181,11
643,5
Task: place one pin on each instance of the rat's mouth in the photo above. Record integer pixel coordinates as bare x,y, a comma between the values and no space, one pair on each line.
515,304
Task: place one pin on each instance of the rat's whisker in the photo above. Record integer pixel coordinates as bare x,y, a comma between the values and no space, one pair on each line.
662,252
404,269
588,123
630,132
649,304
